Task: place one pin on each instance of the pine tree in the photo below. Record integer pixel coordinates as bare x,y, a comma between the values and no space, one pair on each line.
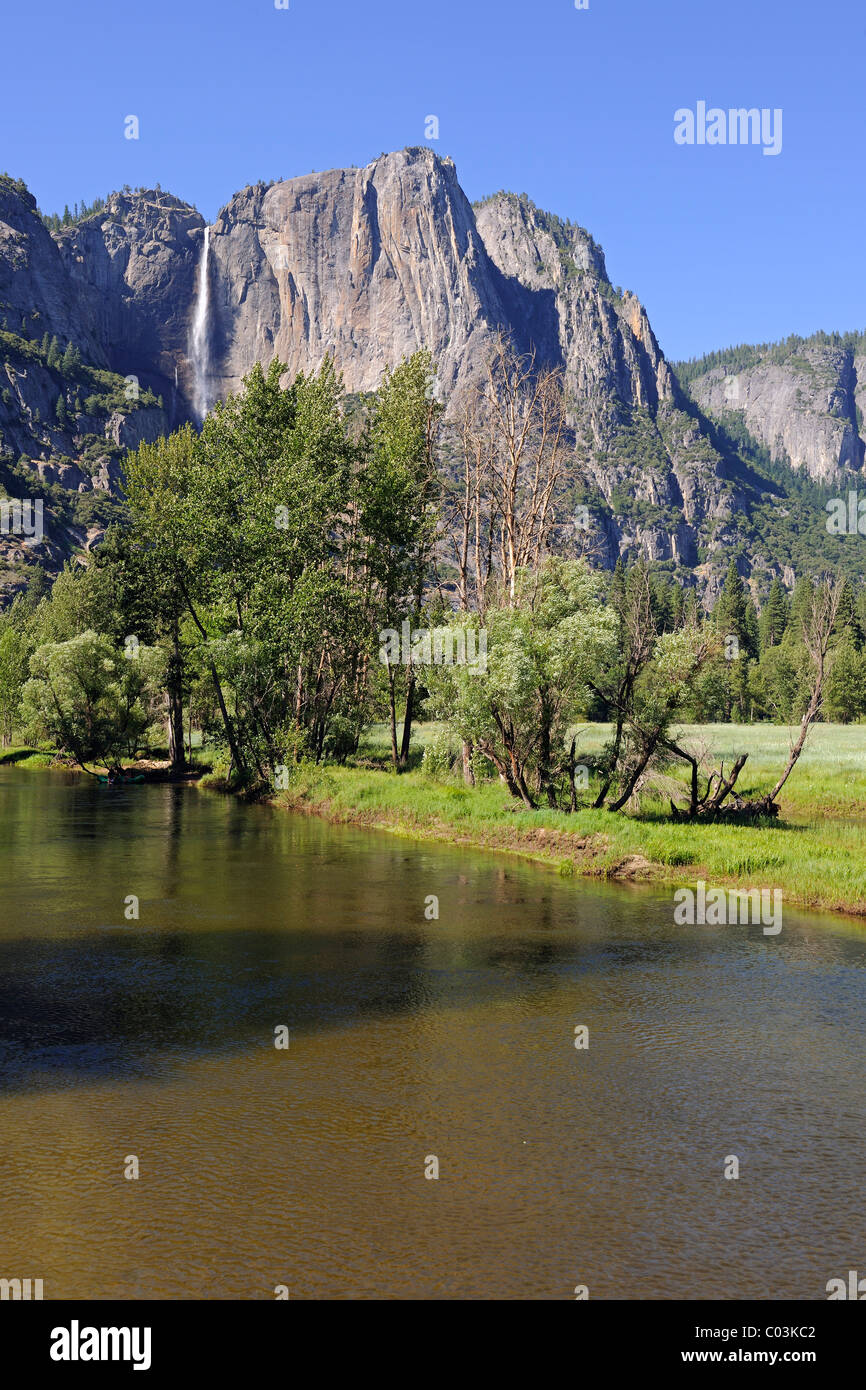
730,614
774,616
71,359
801,603
678,605
846,689
54,354
60,409
847,621
691,612
735,617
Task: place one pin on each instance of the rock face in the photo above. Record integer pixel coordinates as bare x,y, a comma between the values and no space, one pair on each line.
371,264
365,264
132,270
36,293
603,341
64,423
807,409
368,265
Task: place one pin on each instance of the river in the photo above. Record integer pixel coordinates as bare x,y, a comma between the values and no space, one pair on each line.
409,1040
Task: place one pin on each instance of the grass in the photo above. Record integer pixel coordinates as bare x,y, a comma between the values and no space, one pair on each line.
27,757
815,854
829,779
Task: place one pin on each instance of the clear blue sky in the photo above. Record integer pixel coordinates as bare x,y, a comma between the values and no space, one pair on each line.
576,108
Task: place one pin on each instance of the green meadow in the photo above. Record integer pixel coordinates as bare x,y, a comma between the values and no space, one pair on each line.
815,852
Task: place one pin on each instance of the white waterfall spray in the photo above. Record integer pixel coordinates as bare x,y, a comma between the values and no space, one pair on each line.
200,339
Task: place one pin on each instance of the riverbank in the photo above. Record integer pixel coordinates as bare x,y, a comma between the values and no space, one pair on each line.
815,854
155,770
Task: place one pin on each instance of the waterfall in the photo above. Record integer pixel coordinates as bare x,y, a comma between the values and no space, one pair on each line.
200,343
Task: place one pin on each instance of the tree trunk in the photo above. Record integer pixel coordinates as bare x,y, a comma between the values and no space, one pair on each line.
605,786
468,774
546,720
633,779
175,702
392,711
407,720
231,738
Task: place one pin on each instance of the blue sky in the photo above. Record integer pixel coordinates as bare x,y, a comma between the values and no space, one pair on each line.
575,107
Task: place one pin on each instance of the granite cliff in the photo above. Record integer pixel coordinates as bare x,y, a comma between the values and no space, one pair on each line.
803,400
368,265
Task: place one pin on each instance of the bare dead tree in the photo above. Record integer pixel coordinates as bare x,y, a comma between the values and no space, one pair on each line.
471,521
513,434
818,626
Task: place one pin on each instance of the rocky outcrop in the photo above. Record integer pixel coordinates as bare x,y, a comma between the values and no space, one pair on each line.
602,339
366,265
806,409
132,268
36,293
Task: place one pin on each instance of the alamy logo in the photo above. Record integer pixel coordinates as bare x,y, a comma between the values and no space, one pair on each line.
443,646
21,518
20,1289
736,126
847,518
855,1289
718,907
75,1343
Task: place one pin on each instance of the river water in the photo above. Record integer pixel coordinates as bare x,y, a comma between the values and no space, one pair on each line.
409,1040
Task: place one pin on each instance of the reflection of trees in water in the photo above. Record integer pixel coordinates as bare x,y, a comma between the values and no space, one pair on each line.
252,918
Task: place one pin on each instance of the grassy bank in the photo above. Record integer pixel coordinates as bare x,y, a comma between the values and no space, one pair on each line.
816,855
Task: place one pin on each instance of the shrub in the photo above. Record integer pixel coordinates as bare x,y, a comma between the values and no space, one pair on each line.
440,755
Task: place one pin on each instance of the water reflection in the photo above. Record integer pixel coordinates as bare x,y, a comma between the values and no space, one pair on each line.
408,1037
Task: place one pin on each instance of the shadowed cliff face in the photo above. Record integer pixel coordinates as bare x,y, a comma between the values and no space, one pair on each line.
132,268
36,293
602,340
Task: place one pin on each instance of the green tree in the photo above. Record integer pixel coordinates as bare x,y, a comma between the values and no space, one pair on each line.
398,494
247,523
14,655
845,699
542,654
89,700
71,360
774,616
